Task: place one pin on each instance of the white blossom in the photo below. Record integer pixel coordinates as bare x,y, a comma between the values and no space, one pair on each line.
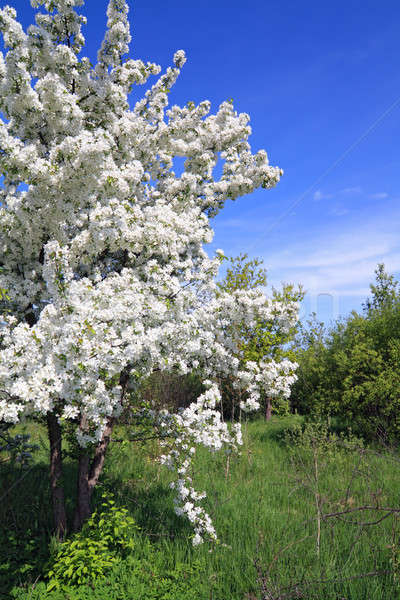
103,244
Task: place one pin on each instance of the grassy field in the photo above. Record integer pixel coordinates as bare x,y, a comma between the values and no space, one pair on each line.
269,506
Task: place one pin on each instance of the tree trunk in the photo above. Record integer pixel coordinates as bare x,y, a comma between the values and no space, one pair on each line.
90,471
88,476
268,409
83,509
99,457
57,490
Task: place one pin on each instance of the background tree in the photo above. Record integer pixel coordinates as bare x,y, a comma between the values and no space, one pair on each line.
384,292
262,340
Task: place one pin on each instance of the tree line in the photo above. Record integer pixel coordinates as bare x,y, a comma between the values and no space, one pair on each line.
351,370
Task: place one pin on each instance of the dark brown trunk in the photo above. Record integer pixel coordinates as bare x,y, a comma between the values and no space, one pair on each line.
100,454
268,409
83,508
57,490
89,471
88,476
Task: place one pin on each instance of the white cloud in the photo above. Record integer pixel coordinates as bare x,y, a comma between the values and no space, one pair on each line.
379,196
350,190
320,195
331,248
330,256
231,223
341,265
339,211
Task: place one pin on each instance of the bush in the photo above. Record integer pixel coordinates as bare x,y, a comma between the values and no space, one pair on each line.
353,370
89,554
318,435
141,577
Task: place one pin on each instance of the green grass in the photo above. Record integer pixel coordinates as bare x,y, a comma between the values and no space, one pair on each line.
263,507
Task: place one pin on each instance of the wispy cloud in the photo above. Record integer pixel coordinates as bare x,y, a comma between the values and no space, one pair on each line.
339,211
232,223
347,191
320,195
333,249
341,264
350,191
379,196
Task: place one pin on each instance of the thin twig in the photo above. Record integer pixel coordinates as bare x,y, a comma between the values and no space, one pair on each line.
360,508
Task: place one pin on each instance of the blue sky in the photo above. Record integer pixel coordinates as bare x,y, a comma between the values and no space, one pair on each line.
321,82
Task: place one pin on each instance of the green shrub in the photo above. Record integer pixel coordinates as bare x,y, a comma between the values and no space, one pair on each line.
142,575
353,370
79,560
89,554
317,435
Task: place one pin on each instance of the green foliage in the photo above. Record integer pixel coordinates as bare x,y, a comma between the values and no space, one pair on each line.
22,555
317,436
243,274
306,391
395,557
353,370
15,449
89,554
80,560
385,291
144,577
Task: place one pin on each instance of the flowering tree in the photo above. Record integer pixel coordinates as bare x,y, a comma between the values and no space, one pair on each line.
102,244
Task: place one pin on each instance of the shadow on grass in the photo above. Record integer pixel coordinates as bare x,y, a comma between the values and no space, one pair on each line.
25,525
26,519
26,522
151,507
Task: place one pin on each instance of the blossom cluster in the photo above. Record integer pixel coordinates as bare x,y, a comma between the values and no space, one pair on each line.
103,244
198,424
266,378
